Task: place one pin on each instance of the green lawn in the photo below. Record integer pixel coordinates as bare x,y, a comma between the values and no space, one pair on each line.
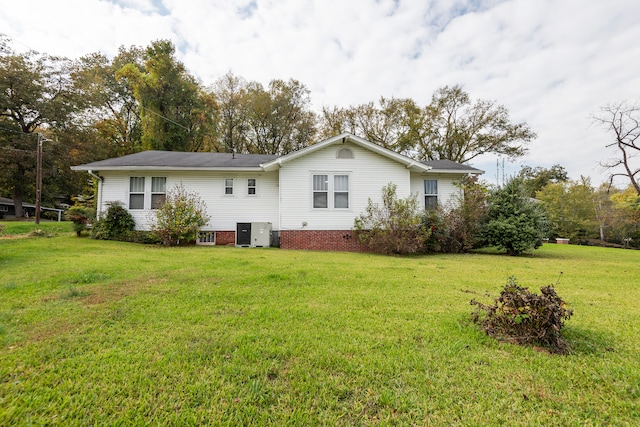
99,332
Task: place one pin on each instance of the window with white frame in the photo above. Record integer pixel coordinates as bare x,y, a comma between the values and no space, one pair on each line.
330,191
430,193
158,191
251,186
320,191
228,186
341,191
136,192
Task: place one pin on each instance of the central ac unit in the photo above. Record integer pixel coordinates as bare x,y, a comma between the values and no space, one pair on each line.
253,234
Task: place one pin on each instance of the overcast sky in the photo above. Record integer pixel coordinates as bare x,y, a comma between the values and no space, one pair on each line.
552,63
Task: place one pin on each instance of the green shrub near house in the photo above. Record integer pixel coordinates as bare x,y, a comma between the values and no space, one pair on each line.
116,223
180,217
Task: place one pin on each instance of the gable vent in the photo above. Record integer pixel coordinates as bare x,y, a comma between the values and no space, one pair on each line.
344,153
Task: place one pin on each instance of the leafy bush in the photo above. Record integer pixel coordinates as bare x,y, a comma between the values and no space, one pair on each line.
396,227
115,224
522,317
513,221
456,228
180,218
435,222
81,217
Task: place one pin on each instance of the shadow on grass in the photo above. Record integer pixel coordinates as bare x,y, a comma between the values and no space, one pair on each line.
587,342
581,341
533,253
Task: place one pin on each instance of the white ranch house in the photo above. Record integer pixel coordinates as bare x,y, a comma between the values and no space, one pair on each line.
307,199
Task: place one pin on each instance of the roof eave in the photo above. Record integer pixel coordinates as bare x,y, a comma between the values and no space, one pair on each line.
458,172
167,168
341,139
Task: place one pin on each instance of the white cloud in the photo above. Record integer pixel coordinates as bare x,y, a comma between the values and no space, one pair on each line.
551,62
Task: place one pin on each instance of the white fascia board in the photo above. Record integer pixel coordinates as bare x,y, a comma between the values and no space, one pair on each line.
277,163
457,172
339,139
166,168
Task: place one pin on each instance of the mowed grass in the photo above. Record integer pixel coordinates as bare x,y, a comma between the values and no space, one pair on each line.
21,228
99,332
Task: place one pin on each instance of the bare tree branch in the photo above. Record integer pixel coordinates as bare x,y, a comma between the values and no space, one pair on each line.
623,121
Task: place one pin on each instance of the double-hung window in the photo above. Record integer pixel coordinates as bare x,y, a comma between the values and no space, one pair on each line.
430,193
341,191
158,191
320,191
136,192
330,191
251,186
228,186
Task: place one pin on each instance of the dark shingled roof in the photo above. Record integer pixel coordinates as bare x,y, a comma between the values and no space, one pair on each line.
186,161
176,159
451,166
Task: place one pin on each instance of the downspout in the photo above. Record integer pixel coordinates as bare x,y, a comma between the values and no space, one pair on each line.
279,204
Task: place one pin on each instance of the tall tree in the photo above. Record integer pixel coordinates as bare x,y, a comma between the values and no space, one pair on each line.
536,178
571,208
623,121
230,94
112,109
168,98
36,96
279,119
626,217
459,129
389,123
450,127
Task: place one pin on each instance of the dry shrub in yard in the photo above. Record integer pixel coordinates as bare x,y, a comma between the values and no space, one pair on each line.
523,317
394,227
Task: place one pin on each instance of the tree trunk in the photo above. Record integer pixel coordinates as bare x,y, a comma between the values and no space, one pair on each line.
17,202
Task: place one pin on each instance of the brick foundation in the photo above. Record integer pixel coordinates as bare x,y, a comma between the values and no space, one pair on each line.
225,238
315,240
321,240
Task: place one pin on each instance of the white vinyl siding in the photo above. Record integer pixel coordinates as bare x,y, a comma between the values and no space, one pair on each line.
284,196
448,191
224,211
367,173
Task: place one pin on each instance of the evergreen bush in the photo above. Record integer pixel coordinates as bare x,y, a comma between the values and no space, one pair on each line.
115,224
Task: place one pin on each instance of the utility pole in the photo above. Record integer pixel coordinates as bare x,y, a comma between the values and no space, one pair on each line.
38,177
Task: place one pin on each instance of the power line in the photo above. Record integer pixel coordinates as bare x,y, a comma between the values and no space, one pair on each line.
165,118
15,131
